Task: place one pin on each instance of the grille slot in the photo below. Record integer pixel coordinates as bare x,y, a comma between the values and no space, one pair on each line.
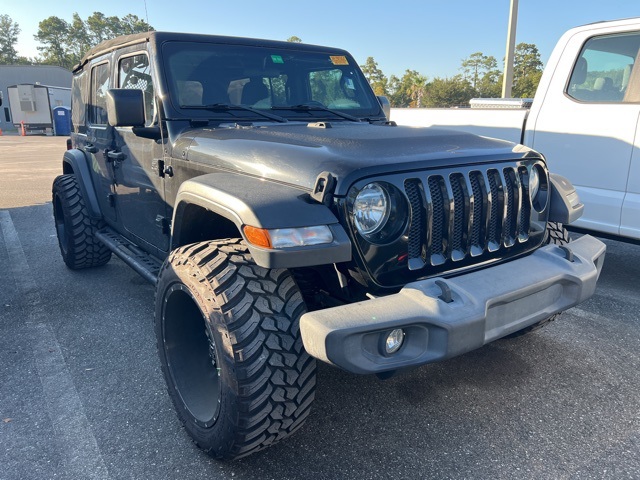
525,211
479,192
439,218
462,215
418,226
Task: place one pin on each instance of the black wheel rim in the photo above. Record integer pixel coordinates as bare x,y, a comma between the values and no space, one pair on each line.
191,356
61,229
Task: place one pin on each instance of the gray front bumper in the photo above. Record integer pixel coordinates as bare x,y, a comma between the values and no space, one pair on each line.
487,304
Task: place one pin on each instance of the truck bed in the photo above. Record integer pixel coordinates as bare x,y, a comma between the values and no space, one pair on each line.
506,124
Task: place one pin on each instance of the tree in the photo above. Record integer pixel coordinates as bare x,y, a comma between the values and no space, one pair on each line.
527,85
53,33
417,90
527,70
9,31
449,92
78,39
478,66
131,24
526,59
374,75
294,39
408,91
490,85
99,27
64,44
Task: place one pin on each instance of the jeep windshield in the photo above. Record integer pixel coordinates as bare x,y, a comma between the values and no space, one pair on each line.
295,83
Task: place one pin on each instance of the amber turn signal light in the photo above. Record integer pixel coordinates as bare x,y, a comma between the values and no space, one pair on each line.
257,236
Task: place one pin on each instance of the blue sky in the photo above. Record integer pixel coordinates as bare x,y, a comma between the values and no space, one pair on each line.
430,36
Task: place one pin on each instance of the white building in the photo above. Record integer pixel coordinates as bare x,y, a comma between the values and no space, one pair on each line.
33,74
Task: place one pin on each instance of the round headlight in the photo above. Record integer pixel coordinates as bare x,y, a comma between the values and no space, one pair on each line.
534,182
371,209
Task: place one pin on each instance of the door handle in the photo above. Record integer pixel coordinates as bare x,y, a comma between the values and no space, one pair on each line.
91,148
115,156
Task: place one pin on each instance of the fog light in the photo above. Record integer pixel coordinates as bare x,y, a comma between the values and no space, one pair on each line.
394,341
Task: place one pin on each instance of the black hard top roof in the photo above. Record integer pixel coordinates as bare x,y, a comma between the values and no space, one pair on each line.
159,37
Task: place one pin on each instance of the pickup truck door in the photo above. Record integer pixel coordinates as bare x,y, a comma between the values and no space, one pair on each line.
630,218
586,124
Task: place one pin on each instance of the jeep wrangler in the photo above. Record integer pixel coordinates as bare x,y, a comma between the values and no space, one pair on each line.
283,218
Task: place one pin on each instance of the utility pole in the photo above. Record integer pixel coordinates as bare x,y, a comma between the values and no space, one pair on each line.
507,80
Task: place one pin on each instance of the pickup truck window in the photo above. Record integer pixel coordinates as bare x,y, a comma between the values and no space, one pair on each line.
207,74
604,71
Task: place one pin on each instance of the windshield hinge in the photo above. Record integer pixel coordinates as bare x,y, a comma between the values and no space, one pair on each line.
319,125
324,188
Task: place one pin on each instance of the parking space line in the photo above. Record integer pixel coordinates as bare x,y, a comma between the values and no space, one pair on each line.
77,445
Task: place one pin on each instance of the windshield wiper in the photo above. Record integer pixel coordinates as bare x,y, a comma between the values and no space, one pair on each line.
320,108
225,107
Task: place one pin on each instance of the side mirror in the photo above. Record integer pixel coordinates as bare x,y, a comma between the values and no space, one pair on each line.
125,107
0,99
386,106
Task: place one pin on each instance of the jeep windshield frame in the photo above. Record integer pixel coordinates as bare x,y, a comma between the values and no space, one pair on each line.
260,79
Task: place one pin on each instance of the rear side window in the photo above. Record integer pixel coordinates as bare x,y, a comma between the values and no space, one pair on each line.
99,88
607,70
79,92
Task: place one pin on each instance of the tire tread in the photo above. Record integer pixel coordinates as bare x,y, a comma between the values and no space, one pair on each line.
261,309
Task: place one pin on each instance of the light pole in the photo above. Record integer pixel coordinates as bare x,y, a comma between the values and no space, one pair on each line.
507,80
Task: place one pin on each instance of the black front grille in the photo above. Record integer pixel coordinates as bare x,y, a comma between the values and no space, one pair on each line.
459,216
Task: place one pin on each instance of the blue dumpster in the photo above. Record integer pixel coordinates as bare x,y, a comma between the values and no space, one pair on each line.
62,121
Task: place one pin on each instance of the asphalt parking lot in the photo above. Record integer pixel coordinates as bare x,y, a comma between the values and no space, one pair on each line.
82,395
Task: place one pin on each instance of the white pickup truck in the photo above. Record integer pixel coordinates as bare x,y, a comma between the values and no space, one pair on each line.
584,119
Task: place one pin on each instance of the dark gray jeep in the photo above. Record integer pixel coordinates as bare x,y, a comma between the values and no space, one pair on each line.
283,219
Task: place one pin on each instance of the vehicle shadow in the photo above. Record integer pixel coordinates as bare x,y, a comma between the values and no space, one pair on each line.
409,426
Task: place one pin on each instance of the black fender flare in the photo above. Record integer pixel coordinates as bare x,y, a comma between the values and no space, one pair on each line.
566,206
77,161
246,200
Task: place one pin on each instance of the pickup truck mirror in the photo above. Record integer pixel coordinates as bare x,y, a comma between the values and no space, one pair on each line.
125,107
386,106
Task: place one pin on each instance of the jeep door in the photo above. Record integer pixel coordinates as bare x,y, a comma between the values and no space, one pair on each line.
134,161
95,136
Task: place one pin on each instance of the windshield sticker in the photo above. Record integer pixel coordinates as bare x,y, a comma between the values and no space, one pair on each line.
349,84
339,60
277,59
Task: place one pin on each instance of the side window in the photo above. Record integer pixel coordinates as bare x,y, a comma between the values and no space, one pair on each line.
99,87
134,72
606,70
335,89
258,92
278,87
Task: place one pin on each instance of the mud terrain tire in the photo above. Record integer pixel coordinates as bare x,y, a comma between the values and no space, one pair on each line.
75,228
230,347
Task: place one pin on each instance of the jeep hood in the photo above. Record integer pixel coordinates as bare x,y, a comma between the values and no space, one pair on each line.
296,153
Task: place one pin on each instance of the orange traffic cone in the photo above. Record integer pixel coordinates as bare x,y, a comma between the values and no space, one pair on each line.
24,133
0,132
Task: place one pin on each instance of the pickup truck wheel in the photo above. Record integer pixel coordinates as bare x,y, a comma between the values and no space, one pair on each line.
75,228
556,235
230,347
